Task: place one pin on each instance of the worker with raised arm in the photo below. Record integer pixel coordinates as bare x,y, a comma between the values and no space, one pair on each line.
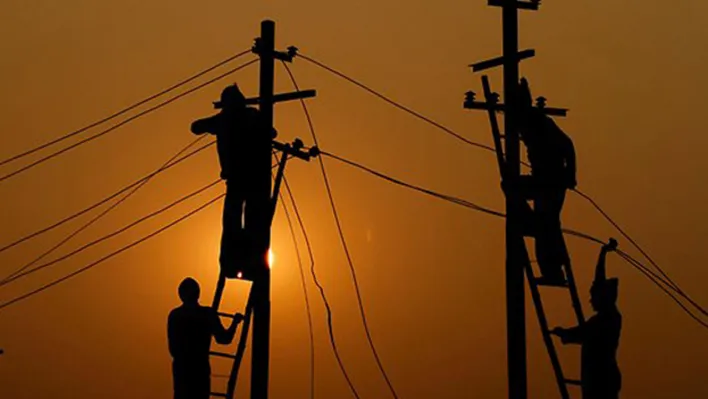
243,142
599,336
190,328
553,171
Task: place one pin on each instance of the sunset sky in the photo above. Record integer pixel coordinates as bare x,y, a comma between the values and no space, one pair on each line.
431,273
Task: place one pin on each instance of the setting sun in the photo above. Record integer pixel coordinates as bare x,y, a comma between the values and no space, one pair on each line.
271,258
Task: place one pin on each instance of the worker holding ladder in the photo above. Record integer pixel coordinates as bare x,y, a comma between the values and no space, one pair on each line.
599,336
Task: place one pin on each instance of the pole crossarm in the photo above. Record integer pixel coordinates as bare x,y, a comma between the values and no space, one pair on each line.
471,103
521,5
499,61
278,98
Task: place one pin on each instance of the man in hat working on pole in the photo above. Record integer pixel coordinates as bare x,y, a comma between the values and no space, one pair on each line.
244,145
190,328
552,158
599,336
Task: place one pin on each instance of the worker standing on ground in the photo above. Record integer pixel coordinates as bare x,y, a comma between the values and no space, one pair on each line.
244,145
552,158
599,336
190,328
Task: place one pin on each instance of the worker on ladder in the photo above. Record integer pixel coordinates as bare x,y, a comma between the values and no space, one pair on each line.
190,328
244,145
599,336
552,158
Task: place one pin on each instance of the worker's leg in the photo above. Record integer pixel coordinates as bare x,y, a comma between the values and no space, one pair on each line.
550,247
232,236
258,215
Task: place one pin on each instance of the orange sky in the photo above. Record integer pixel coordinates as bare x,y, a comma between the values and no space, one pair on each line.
431,273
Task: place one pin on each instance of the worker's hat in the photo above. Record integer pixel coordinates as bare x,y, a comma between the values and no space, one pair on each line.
231,96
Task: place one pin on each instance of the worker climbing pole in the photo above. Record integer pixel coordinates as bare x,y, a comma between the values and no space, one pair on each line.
552,160
245,142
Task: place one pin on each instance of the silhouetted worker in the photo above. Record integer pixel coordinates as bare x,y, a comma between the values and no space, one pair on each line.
552,158
599,336
190,328
244,145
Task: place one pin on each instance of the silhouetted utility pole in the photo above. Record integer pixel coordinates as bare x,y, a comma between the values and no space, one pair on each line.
510,170
518,225
258,306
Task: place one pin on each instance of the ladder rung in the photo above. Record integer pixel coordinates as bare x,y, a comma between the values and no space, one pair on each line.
540,281
573,382
218,394
220,354
230,316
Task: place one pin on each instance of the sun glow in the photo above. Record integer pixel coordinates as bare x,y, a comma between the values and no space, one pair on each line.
271,258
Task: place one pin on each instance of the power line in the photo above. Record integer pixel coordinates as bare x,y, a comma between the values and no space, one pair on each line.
102,214
460,137
396,104
125,110
631,261
307,298
103,201
671,283
642,269
124,122
110,235
343,240
328,309
112,254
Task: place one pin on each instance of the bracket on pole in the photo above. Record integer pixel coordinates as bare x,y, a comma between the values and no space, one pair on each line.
499,61
278,55
521,5
296,149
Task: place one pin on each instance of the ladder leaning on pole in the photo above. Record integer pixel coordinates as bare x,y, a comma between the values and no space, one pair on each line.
288,151
491,105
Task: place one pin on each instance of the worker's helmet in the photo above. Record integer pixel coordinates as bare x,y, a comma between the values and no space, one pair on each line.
231,97
189,290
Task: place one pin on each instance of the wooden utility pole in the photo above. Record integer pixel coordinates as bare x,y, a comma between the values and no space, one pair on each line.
261,283
515,246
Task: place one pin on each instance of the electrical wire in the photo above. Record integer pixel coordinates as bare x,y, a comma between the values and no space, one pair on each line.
653,277
124,122
109,256
670,282
110,235
343,240
307,298
124,110
103,201
396,104
460,137
328,309
102,214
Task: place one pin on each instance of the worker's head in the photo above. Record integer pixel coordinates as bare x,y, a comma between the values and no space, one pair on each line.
189,291
603,294
231,99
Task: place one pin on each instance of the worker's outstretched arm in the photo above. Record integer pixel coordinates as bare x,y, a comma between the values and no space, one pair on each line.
570,335
222,335
601,269
205,125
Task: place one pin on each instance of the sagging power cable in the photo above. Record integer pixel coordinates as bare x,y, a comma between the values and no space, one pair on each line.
124,110
102,214
124,122
107,257
340,230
